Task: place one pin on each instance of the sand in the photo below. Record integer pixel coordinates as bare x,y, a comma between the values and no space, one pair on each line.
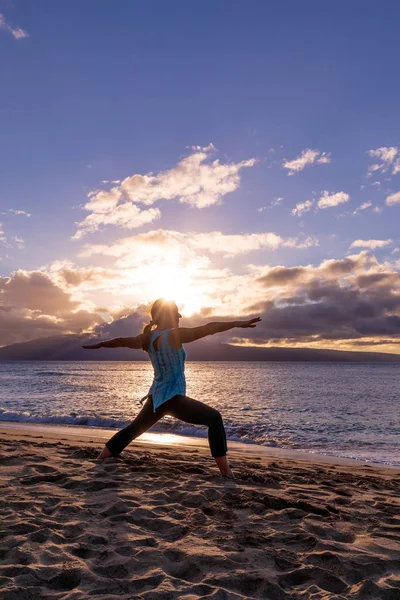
160,524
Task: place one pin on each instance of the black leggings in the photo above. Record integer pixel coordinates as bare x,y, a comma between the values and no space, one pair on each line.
180,407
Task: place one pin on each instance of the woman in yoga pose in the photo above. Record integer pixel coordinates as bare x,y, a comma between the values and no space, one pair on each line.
167,394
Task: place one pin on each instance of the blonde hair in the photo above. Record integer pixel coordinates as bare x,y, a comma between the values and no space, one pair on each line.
157,311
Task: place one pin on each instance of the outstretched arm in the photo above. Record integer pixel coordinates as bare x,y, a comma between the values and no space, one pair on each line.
191,334
130,342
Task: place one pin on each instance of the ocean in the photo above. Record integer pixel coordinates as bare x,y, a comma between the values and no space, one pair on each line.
347,410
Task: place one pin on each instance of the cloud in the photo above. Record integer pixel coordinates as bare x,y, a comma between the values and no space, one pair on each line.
393,199
9,242
336,302
19,242
17,33
229,245
32,306
389,157
213,242
69,277
275,202
308,157
186,266
19,212
196,180
193,181
127,216
362,206
339,301
302,207
328,200
328,269
372,244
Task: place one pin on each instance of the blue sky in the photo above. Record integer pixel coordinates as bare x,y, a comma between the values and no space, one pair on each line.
98,91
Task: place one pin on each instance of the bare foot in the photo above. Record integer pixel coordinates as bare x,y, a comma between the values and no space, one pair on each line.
105,453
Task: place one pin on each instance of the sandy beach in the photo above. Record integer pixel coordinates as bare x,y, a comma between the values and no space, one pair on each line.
160,524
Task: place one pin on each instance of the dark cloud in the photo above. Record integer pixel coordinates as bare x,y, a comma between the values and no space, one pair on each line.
282,276
354,300
127,325
352,307
34,291
95,275
33,306
374,279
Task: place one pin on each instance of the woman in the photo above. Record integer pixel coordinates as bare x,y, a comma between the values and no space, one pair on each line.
167,395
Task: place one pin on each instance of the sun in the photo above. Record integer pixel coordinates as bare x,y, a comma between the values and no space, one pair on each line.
179,284
174,277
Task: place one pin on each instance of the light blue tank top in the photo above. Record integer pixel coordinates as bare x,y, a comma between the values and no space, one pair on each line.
169,370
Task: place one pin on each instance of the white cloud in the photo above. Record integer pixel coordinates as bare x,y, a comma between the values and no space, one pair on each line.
229,245
19,212
302,207
158,242
309,242
195,180
377,209
389,157
275,202
328,200
372,244
307,157
362,206
6,240
17,33
127,216
19,242
393,199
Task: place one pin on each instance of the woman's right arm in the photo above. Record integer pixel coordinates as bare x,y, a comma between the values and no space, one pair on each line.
191,334
131,342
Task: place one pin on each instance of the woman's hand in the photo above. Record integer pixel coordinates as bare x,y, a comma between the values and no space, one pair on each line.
92,346
251,323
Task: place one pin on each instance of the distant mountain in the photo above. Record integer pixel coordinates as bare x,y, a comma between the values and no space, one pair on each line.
69,347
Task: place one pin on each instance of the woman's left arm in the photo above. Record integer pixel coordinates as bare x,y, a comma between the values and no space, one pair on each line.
130,342
183,335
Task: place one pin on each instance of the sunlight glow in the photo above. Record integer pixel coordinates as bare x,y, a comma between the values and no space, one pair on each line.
174,277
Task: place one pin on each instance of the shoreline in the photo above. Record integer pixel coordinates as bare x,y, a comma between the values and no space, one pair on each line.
97,435
160,525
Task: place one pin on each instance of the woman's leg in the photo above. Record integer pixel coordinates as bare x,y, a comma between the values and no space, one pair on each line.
144,420
195,412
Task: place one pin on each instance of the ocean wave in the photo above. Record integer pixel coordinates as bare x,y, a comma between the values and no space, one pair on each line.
71,419
237,433
58,374
243,433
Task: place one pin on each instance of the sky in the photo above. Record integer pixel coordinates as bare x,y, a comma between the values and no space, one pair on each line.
241,158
